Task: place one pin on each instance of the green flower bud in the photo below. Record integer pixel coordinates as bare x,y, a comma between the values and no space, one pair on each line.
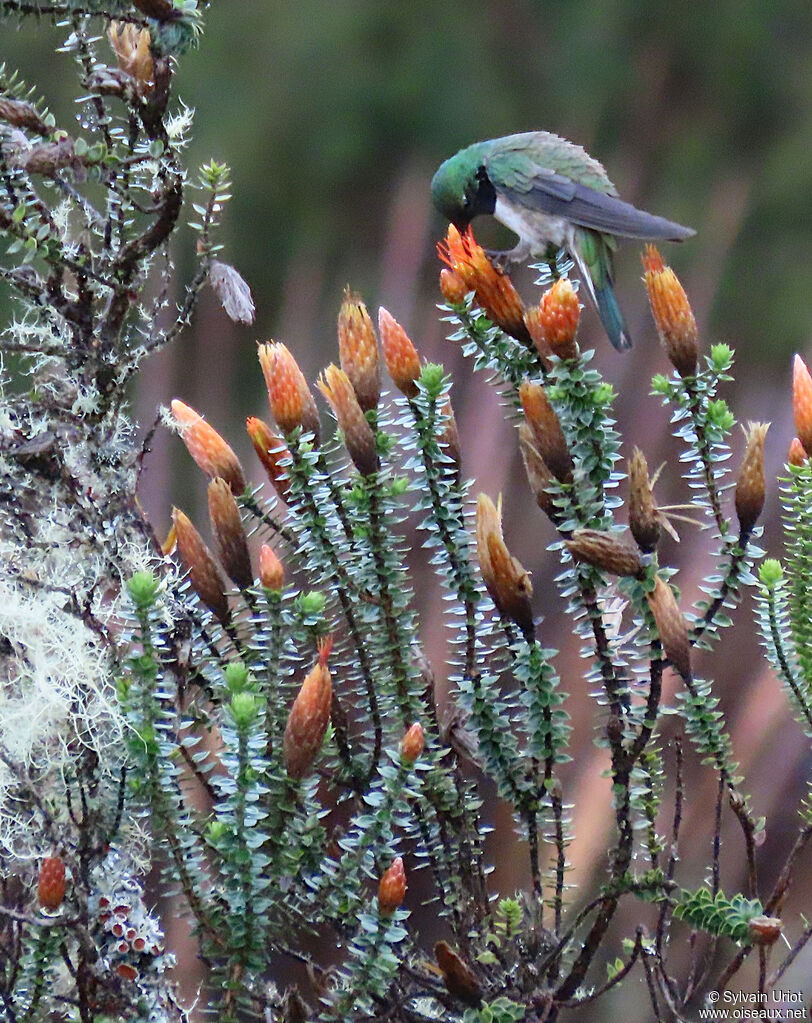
143,588
771,573
721,357
215,831
312,604
432,379
243,709
237,677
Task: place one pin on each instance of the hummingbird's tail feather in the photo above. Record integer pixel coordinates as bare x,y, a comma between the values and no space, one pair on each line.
612,318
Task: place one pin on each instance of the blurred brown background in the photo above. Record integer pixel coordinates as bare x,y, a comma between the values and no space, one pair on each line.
333,116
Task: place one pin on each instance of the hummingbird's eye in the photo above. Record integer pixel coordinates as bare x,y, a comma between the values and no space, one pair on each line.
466,201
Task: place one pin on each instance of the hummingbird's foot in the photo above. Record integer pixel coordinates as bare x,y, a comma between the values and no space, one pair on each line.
505,259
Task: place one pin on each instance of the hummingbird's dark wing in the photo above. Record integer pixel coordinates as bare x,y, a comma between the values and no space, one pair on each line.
522,181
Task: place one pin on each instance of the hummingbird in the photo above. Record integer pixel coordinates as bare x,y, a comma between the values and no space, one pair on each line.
551,193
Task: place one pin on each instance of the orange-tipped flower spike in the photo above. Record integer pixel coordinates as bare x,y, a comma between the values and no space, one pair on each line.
199,562
271,569
207,447
802,402
796,454
392,887
504,576
750,486
359,438
272,452
549,436
309,716
229,533
290,399
400,355
358,350
559,312
494,289
672,313
412,743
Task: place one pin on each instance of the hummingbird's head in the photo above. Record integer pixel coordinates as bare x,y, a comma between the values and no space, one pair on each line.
462,190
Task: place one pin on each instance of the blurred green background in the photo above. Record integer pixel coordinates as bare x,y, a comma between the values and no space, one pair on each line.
333,114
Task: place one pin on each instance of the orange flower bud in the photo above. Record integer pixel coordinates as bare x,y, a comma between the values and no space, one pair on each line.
750,485
538,473
290,399
51,883
203,572
549,437
229,534
535,328
271,569
452,286
400,355
505,579
494,290
359,438
309,716
131,45
765,930
207,447
559,312
607,551
412,743
802,402
672,313
358,350
644,518
796,454
392,887
671,626
272,452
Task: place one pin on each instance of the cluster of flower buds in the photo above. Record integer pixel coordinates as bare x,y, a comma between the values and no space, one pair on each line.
504,576
358,351
471,270
400,355
272,453
291,401
204,575
392,887
671,626
271,569
672,313
610,552
645,519
309,716
208,449
412,743
750,487
359,438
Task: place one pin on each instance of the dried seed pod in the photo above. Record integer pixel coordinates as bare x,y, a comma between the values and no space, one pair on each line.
460,979
504,576
229,534
208,449
359,438
51,883
400,355
549,437
672,313
609,552
358,350
644,518
412,743
271,569
392,887
750,486
132,48
802,402
494,289
199,562
671,626
309,716
538,473
289,397
272,452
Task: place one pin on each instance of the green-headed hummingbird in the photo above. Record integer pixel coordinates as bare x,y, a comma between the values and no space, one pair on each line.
550,192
